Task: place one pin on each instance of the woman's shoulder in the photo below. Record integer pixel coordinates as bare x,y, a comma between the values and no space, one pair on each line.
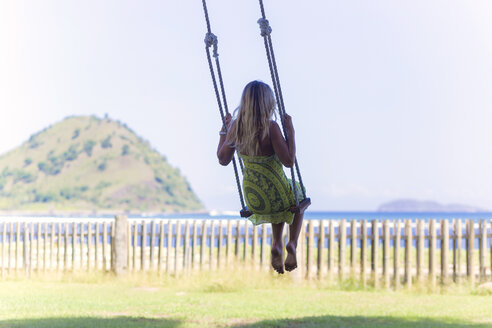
274,129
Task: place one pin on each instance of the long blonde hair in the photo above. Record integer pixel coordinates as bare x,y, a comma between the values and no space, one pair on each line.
253,118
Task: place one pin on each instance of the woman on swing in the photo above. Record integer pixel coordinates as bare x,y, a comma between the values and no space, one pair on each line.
269,194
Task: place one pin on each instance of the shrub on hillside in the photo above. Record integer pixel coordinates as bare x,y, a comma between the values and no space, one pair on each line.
71,153
45,197
102,166
34,144
69,193
53,167
5,172
24,176
106,143
125,150
88,146
102,185
76,133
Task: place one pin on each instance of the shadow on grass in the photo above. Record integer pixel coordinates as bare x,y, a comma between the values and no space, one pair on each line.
360,321
92,322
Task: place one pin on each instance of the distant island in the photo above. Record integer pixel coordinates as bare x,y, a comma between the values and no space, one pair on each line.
86,164
412,205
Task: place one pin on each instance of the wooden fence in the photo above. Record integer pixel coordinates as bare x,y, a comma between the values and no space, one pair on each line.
386,253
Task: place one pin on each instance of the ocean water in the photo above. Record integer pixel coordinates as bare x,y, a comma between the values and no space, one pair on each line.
396,216
369,216
230,215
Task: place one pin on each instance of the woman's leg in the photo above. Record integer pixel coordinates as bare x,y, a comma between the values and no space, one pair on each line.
294,230
277,261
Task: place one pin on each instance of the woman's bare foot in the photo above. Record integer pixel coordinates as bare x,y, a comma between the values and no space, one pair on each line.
277,259
291,260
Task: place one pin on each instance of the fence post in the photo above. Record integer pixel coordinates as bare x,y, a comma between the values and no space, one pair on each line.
470,248
310,250
135,245
321,248
152,245
420,251
229,243
161,245
9,248
444,250
482,249
353,246
203,243
302,246
341,246
246,237
212,242
96,246
65,246
254,245
408,253
458,250
119,247
89,237
363,250
52,245
193,244
237,241
82,233
74,243
186,247
432,252
31,239
4,236
263,253
143,246
24,249
386,254
170,245
220,249
38,244
375,252
176,248
17,246
396,259
331,249
58,251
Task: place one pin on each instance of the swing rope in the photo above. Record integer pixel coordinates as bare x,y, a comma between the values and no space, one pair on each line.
266,30
212,41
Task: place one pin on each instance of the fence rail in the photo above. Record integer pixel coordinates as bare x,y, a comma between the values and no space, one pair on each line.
386,253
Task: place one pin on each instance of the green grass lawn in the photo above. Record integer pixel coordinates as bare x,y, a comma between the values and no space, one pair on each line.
240,298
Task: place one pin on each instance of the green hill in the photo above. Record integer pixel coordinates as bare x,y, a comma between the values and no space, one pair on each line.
86,164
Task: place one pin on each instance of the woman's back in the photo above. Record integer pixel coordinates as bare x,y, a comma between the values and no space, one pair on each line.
274,143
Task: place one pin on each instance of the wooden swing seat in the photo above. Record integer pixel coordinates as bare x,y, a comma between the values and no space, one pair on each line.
303,205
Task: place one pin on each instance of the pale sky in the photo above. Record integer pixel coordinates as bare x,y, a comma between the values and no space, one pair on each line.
389,99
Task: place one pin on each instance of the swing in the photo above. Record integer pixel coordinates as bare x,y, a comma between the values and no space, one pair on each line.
211,41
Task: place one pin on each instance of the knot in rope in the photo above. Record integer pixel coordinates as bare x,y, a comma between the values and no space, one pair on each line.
211,40
264,27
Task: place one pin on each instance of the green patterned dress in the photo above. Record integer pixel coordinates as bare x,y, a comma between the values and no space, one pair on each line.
267,190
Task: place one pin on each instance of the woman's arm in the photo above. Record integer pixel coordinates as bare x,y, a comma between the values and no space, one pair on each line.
225,152
285,150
